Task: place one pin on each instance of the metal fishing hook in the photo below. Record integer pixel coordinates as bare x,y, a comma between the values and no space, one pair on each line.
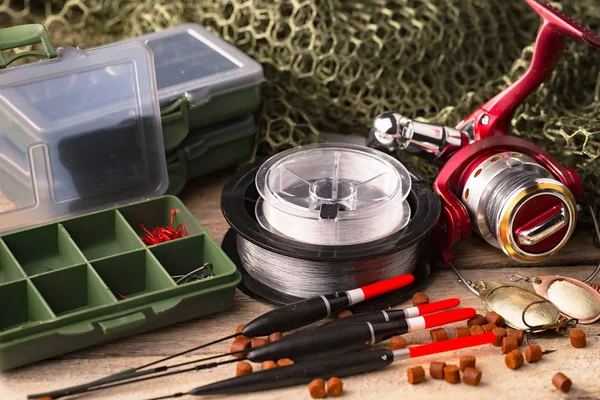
526,339
463,280
517,278
184,277
559,326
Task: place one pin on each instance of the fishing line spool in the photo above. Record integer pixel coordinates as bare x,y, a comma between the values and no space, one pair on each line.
329,217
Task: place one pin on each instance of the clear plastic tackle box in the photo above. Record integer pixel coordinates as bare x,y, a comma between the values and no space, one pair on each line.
82,169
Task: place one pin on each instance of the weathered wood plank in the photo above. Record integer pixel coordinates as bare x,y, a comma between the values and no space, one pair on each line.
203,197
532,381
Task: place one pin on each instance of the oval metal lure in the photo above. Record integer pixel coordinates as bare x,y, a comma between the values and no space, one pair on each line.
520,308
574,298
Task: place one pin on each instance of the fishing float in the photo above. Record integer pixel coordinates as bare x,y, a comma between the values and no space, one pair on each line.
339,366
283,319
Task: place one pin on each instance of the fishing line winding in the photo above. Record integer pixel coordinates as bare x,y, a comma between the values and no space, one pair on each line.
328,217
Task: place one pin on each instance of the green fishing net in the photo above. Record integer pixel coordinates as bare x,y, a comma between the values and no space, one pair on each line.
333,65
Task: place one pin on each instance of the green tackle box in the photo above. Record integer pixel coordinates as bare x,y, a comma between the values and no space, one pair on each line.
201,80
82,172
210,149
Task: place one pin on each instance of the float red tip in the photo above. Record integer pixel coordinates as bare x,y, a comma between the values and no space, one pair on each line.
450,345
448,317
438,306
386,286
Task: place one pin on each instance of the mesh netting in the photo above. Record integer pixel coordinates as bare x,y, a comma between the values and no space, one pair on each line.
333,65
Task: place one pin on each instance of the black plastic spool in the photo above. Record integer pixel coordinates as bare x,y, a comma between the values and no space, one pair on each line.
238,202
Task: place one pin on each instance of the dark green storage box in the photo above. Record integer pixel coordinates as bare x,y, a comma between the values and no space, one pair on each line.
202,80
90,279
210,149
82,168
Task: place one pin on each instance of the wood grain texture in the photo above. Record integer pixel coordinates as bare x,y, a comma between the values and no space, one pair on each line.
483,262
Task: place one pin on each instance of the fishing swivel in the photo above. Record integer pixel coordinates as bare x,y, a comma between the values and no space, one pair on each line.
559,326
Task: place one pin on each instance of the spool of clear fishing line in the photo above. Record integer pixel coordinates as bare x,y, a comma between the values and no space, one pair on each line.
329,217
333,195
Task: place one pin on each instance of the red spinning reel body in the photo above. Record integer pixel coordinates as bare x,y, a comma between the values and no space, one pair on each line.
509,190
453,175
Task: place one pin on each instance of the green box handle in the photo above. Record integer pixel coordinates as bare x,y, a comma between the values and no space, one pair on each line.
129,321
25,35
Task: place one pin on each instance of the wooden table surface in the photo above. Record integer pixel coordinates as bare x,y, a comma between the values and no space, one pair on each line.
478,260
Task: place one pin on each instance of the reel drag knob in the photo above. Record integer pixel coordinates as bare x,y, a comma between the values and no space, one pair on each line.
516,205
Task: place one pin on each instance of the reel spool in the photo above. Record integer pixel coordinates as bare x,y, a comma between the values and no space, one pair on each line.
327,218
517,205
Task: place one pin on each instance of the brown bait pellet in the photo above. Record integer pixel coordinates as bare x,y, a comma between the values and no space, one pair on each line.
509,343
436,369
439,334
273,337
267,365
500,334
335,387
317,389
452,374
397,343
239,345
518,333
476,330
472,376
238,330
466,362
578,338
257,342
561,382
344,313
494,318
489,327
461,332
533,353
243,368
420,298
514,359
476,320
283,362
415,375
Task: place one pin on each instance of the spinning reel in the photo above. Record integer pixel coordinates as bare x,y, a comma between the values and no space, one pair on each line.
508,190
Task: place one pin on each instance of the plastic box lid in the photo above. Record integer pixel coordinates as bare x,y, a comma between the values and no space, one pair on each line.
192,62
78,132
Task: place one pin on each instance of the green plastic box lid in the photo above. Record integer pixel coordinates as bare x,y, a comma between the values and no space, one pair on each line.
79,131
192,62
